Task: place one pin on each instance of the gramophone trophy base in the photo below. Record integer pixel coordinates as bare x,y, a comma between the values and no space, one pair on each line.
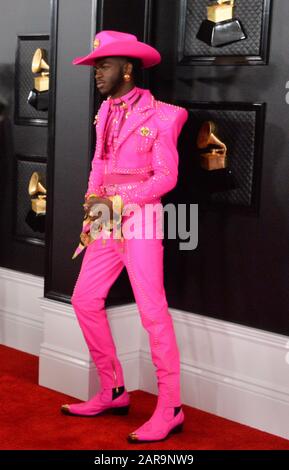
222,33
38,99
41,83
36,223
218,180
38,206
213,161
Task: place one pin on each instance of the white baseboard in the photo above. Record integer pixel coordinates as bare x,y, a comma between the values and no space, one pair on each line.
65,364
21,318
230,370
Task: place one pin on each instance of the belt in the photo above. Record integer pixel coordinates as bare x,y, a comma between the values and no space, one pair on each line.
121,178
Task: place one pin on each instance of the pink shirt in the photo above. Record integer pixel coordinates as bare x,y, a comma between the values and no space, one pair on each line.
119,109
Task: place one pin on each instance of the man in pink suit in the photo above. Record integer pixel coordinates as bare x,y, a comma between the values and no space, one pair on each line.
136,161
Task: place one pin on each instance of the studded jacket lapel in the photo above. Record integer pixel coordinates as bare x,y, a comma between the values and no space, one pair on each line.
102,116
140,114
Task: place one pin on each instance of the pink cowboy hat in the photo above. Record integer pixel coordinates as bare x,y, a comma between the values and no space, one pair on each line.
115,43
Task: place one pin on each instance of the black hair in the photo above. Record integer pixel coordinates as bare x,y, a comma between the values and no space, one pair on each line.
137,71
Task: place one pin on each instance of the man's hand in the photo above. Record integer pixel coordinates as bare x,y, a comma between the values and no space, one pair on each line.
85,238
102,208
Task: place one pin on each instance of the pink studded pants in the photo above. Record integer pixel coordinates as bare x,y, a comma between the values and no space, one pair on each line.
101,265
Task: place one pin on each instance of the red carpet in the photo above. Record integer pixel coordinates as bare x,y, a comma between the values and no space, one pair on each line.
30,419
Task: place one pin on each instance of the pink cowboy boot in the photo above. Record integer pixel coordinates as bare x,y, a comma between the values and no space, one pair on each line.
115,400
164,421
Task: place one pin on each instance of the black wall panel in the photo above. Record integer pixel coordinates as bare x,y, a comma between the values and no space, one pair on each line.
28,17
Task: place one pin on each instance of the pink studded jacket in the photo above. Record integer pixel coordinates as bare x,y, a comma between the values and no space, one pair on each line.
147,145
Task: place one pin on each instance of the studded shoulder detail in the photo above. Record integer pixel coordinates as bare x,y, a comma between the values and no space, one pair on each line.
169,105
167,111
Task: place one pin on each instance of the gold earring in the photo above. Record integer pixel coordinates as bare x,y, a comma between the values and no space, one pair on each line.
127,77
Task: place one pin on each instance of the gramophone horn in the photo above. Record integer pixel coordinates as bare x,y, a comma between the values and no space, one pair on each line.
38,61
204,134
213,153
207,137
35,184
231,2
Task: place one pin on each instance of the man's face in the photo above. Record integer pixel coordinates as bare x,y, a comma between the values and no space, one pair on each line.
109,74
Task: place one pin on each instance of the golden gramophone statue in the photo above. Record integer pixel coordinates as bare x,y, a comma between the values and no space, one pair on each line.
215,173
221,28
38,96
213,152
37,191
39,65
